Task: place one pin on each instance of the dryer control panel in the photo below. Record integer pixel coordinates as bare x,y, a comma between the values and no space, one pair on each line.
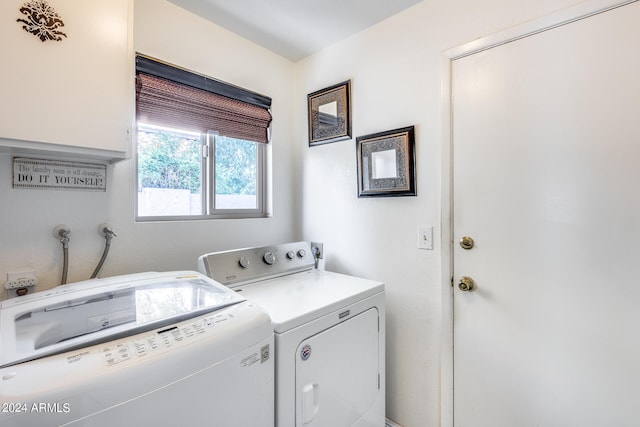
248,265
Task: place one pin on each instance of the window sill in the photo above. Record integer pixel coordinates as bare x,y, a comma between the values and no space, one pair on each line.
142,219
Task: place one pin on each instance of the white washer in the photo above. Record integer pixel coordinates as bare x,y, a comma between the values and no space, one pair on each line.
147,349
329,333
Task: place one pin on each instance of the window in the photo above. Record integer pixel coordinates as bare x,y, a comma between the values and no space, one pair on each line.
187,174
236,168
201,153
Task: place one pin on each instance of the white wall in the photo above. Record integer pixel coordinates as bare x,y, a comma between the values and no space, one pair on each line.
29,216
396,70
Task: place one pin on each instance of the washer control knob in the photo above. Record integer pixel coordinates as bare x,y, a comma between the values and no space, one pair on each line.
269,258
301,253
291,255
244,262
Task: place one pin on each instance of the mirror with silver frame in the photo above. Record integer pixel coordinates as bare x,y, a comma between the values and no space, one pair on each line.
386,163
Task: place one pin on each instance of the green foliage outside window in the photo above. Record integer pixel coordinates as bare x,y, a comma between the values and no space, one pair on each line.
236,163
169,159
172,159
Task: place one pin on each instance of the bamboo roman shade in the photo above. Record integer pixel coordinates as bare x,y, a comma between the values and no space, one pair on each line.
172,97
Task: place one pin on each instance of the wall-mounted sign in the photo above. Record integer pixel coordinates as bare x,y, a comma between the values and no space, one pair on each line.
58,175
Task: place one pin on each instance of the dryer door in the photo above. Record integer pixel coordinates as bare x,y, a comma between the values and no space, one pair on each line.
337,373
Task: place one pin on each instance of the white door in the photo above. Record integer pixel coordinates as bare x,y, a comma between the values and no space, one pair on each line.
337,374
546,181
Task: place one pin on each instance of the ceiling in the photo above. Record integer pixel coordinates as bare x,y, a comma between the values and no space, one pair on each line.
295,29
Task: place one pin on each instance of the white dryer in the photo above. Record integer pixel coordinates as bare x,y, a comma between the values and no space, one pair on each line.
147,349
329,333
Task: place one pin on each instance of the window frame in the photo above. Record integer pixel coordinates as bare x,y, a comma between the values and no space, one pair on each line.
210,209
154,67
208,185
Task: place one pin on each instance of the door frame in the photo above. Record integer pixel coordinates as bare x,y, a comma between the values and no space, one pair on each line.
562,17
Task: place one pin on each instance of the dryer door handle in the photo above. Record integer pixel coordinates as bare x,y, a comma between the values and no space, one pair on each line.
310,402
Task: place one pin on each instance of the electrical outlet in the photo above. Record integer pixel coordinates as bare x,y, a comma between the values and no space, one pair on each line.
21,279
21,283
316,250
425,238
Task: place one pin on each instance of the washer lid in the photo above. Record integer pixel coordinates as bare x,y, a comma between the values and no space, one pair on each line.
99,310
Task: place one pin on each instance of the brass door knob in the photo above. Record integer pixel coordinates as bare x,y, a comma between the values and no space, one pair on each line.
466,284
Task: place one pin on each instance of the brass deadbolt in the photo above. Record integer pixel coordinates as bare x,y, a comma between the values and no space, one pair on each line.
466,242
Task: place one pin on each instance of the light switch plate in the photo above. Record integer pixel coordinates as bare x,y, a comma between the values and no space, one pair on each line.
425,238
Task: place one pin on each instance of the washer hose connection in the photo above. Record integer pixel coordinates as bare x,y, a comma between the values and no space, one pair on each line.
62,233
108,233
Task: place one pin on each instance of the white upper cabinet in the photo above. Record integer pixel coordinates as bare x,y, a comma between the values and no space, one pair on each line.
73,97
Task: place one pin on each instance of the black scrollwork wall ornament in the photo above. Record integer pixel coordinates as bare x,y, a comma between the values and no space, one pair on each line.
41,20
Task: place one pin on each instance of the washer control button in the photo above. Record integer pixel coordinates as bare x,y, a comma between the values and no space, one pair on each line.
269,258
301,253
291,255
244,262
